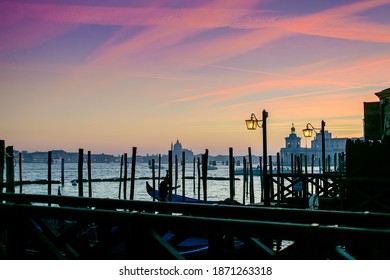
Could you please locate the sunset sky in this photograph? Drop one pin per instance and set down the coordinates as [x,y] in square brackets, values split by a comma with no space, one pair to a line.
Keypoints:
[107,76]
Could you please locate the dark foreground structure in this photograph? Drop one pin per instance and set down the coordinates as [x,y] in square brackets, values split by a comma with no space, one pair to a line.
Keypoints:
[91,228]
[350,221]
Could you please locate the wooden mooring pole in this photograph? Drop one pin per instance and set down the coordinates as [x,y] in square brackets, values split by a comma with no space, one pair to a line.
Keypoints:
[251,181]
[193,174]
[199,177]
[270,184]
[132,182]
[154,179]
[231,174]
[176,172]
[159,169]
[120,178]
[62,171]
[183,176]
[2,162]
[245,181]
[278,188]
[312,163]
[170,163]
[89,174]
[124,175]
[49,161]
[10,172]
[80,172]
[261,179]
[20,173]
[205,160]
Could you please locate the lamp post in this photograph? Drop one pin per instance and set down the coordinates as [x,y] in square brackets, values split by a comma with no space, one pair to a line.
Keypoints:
[252,124]
[308,132]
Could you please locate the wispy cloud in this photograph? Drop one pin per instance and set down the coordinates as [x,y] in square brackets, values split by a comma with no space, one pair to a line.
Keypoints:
[187,57]
[156,76]
[342,22]
[170,26]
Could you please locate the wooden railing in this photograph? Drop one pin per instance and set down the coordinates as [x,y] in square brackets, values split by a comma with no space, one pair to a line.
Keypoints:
[298,187]
[90,228]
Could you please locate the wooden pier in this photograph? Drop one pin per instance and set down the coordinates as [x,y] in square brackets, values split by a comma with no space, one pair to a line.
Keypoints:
[352,220]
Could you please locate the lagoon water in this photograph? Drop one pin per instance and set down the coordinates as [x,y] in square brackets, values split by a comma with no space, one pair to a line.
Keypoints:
[216,189]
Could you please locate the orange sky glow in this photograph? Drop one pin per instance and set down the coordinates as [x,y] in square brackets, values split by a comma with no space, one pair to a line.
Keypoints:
[107,76]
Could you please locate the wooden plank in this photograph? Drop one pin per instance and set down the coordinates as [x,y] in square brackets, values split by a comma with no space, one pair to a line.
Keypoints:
[164,248]
[258,248]
[55,236]
[229,226]
[46,245]
[343,254]
[351,218]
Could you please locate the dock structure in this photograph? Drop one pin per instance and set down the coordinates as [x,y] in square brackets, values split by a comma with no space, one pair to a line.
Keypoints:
[93,228]
[364,185]
[351,220]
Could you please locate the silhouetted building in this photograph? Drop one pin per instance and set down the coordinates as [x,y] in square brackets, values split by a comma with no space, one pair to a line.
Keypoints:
[177,150]
[293,148]
[384,102]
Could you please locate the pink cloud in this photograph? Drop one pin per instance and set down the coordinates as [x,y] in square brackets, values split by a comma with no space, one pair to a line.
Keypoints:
[172,26]
[288,83]
[28,33]
[169,26]
[342,22]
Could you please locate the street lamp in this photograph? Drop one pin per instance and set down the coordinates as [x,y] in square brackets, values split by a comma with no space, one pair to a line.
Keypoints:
[252,124]
[308,132]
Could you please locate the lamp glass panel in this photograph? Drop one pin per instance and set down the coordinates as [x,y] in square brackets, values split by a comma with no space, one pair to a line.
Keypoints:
[251,124]
[308,132]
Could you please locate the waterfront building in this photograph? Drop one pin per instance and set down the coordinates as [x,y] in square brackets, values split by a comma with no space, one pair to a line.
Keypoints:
[377,118]
[293,147]
[177,150]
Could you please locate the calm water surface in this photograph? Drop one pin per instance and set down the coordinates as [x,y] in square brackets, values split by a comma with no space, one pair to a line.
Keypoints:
[217,189]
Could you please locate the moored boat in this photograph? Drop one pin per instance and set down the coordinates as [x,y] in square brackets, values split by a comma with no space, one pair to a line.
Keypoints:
[179,198]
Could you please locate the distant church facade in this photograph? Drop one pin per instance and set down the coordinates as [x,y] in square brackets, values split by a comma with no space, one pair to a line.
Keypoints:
[177,151]
[293,148]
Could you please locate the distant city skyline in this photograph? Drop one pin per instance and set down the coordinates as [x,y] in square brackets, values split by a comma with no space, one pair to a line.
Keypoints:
[107,76]
[292,144]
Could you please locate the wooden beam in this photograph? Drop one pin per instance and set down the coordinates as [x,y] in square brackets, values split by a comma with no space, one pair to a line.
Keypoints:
[323,217]
[47,246]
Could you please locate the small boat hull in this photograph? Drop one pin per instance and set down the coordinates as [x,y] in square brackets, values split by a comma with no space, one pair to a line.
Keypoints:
[175,197]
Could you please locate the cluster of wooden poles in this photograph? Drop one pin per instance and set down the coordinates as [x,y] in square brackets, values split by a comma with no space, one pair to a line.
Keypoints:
[299,165]
[7,153]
